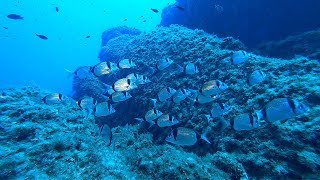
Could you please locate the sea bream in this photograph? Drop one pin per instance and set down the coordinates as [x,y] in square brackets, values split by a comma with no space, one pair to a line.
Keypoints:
[245,122]
[281,109]
[256,77]
[106,134]
[138,79]
[164,63]
[54,98]
[217,110]
[81,72]
[213,87]
[185,137]
[150,116]
[126,64]
[87,104]
[239,57]
[180,95]
[103,109]
[190,69]
[104,68]
[165,94]
[120,96]
[166,120]
[202,99]
[124,84]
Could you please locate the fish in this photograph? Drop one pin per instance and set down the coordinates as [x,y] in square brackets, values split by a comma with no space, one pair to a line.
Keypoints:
[42,36]
[106,134]
[165,94]
[217,110]
[239,57]
[189,69]
[138,79]
[150,116]
[163,64]
[87,104]
[125,19]
[202,99]
[281,109]
[103,109]
[144,21]
[245,122]
[109,90]
[120,96]
[179,7]
[154,10]
[54,98]
[81,72]
[180,95]
[166,120]
[126,64]
[88,36]
[15,16]
[185,137]
[213,87]
[57,9]
[5,27]
[104,68]
[124,84]
[256,77]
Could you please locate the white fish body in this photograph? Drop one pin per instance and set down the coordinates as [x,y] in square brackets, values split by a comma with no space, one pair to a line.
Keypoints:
[120,96]
[256,77]
[138,79]
[245,122]
[165,94]
[190,69]
[164,63]
[239,57]
[202,99]
[166,120]
[124,84]
[152,115]
[54,98]
[180,95]
[213,87]
[126,64]
[103,109]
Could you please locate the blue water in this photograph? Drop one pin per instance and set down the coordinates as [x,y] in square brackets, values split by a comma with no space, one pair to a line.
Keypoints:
[29,60]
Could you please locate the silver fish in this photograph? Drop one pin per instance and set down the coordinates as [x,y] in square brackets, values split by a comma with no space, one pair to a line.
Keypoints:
[190,69]
[202,99]
[245,122]
[126,64]
[166,120]
[185,137]
[164,63]
[138,79]
[103,68]
[180,95]
[106,134]
[281,109]
[150,116]
[54,98]
[213,87]
[165,94]
[124,84]
[120,96]
[81,72]
[103,109]
[239,57]
[87,104]
[217,110]
[256,77]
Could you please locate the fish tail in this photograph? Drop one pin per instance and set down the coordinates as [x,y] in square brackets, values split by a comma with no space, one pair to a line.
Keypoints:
[204,137]
[208,117]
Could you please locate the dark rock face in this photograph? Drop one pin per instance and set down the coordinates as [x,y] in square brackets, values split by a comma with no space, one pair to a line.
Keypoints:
[251,21]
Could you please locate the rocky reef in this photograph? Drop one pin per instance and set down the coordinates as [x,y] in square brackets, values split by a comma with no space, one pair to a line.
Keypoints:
[38,140]
[306,44]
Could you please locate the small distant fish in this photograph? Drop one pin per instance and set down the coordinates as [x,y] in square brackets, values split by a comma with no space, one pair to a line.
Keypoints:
[124,84]
[256,77]
[106,134]
[81,72]
[217,110]
[120,96]
[150,116]
[104,68]
[165,94]
[180,7]
[180,95]
[245,122]
[190,69]
[87,104]
[15,16]
[281,109]
[144,21]
[213,87]
[88,37]
[154,10]
[125,19]
[202,99]
[5,28]
[57,9]
[185,137]
[166,120]
[126,64]
[103,109]
[164,63]
[54,98]
[42,36]
[239,57]
[138,79]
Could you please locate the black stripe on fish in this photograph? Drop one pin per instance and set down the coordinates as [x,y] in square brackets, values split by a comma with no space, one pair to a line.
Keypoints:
[232,123]
[218,84]
[168,89]
[129,81]
[154,111]
[60,96]
[251,119]
[92,70]
[44,99]
[175,133]
[108,64]
[221,105]
[183,91]
[94,109]
[292,105]
[243,53]
[170,118]
[260,72]
[79,103]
